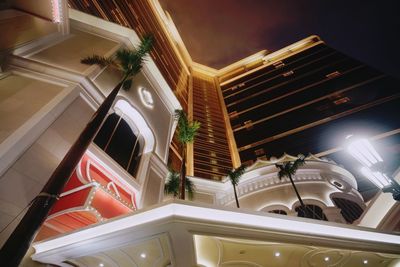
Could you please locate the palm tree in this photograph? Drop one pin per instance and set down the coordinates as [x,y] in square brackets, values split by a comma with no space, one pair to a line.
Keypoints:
[234,176]
[129,63]
[289,169]
[172,185]
[186,132]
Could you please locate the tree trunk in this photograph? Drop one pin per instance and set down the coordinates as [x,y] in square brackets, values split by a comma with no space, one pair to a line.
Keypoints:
[18,243]
[182,181]
[236,197]
[303,207]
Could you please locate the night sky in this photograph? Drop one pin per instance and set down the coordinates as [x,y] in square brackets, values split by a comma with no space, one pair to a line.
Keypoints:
[219,32]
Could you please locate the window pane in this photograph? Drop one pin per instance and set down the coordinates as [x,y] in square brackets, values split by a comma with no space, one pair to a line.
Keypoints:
[121,144]
[106,130]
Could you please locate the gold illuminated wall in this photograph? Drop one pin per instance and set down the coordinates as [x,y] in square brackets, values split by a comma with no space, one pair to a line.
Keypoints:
[141,16]
[211,153]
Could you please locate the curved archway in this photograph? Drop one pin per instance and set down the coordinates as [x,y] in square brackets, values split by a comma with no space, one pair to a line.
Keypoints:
[136,120]
[277,209]
[118,140]
[125,136]
[351,206]
[350,210]
[315,202]
[314,209]
[311,212]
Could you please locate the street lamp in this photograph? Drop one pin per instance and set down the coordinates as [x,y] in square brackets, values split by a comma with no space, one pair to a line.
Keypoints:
[363,151]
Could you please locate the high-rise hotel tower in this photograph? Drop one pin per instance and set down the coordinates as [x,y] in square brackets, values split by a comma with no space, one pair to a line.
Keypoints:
[304,98]
[293,100]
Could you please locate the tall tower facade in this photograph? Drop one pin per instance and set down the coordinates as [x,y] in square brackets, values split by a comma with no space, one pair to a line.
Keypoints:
[304,98]
[299,94]
[299,99]
[211,155]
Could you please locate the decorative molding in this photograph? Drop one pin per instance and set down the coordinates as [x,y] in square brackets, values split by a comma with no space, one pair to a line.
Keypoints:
[206,219]
[262,176]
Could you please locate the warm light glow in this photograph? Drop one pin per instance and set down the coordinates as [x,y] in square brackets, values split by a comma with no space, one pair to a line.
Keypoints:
[56,8]
[101,265]
[326,259]
[143,255]
[378,178]
[146,97]
[277,254]
[365,261]
[364,152]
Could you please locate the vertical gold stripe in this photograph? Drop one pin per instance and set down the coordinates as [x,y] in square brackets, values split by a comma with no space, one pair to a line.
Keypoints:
[189,150]
[229,132]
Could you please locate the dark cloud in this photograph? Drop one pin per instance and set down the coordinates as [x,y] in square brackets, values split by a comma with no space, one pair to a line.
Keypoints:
[219,32]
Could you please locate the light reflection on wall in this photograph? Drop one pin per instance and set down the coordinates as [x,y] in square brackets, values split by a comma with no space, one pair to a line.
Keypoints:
[146,97]
[56,8]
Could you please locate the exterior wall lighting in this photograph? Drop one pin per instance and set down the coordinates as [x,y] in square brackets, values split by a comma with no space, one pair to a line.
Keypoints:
[363,151]
[378,178]
[56,10]
[326,259]
[277,254]
[365,261]
[143,255]
[146,97]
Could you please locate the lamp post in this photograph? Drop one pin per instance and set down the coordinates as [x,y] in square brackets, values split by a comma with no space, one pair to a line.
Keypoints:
[363,151]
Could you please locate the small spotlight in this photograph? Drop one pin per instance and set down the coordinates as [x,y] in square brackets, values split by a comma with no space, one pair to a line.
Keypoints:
[101,265]
[277,254]
[143,255]
[365,261]
[326,259]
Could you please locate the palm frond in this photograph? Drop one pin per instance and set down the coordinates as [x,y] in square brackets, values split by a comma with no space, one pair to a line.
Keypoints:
[146,45]
[131,61]
[300,161]
[235,174]
[172,185]
[290,167]
[281,173]
[97,60]
[124,57]
[127,84]
[190,188]
[186,130]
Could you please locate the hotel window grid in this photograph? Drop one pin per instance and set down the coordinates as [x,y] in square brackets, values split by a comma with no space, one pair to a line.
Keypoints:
[118,140]
[312,212]
[350,210]
[211,153]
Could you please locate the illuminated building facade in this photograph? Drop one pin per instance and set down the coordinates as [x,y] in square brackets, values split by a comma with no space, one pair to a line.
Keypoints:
[256,108]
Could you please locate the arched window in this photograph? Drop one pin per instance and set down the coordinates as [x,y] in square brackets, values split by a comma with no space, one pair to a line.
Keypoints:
[282,212]
[350,210]
[312,212]
[119,141]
